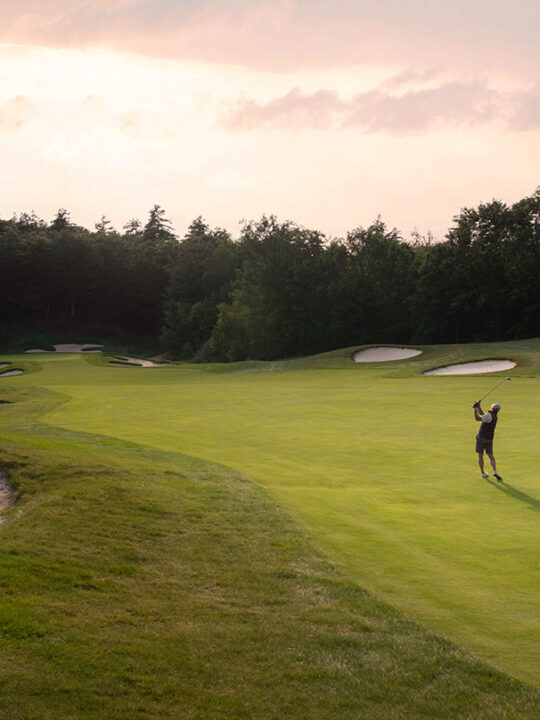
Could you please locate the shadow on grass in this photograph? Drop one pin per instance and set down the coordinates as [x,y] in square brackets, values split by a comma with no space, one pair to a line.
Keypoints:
[516,494]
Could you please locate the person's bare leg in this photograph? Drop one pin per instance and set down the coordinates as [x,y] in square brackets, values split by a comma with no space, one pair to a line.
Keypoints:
[494,466]
[481,464]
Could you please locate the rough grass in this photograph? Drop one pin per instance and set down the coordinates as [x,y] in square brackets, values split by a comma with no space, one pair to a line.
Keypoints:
[140,583]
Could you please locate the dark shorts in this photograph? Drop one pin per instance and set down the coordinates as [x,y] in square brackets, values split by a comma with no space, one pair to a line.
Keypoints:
[484,444]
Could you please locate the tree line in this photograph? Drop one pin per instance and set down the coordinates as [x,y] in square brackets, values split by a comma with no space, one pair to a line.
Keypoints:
[279,289]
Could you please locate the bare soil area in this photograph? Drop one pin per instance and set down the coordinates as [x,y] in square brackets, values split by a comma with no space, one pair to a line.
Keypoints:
[6,496]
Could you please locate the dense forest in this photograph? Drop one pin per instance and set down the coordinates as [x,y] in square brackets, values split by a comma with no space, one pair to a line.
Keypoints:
[278,290]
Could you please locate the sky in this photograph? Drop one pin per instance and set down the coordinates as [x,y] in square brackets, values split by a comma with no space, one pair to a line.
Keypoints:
[328,113]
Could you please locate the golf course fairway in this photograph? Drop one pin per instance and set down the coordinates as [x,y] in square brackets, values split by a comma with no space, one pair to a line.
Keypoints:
[375,462]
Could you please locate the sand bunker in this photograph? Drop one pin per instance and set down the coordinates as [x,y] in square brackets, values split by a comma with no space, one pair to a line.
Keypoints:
[468,368]
[125,361]
[69,348]
[384,354]
[8,373]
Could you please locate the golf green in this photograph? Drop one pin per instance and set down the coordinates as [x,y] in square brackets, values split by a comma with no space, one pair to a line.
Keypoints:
[375,461]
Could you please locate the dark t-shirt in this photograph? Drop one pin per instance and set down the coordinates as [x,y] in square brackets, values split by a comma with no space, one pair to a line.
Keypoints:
[487,428]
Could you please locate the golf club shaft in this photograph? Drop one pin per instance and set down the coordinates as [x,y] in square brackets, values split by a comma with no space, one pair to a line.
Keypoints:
[492,389]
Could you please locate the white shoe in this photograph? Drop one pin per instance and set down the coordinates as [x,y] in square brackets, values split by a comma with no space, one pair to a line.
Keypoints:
[485,475]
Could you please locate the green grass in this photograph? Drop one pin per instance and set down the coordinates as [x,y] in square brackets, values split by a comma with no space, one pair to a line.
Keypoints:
[137,581]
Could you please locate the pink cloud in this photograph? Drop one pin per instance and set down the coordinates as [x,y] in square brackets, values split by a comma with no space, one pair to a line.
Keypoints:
[320,110]
[408,77]
[380,111]
[452,103]
[292,34]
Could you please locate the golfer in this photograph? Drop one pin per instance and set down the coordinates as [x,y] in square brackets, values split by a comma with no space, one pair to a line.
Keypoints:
[484,439]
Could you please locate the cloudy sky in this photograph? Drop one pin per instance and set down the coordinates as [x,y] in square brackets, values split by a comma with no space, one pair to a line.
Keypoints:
[325,112]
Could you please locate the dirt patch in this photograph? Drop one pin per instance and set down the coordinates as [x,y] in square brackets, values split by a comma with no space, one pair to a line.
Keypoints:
[7,498]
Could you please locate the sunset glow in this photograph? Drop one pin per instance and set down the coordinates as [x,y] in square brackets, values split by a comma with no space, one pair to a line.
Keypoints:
[109,108]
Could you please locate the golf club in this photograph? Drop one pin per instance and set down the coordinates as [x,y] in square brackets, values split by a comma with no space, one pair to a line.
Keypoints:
[490,391]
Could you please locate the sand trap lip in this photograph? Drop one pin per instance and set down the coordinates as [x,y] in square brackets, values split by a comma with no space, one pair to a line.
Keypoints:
[125,361]
[473,368]
[384,354]
[69,348]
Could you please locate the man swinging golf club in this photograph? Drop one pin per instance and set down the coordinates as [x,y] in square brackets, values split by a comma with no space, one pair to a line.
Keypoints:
[484,439]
